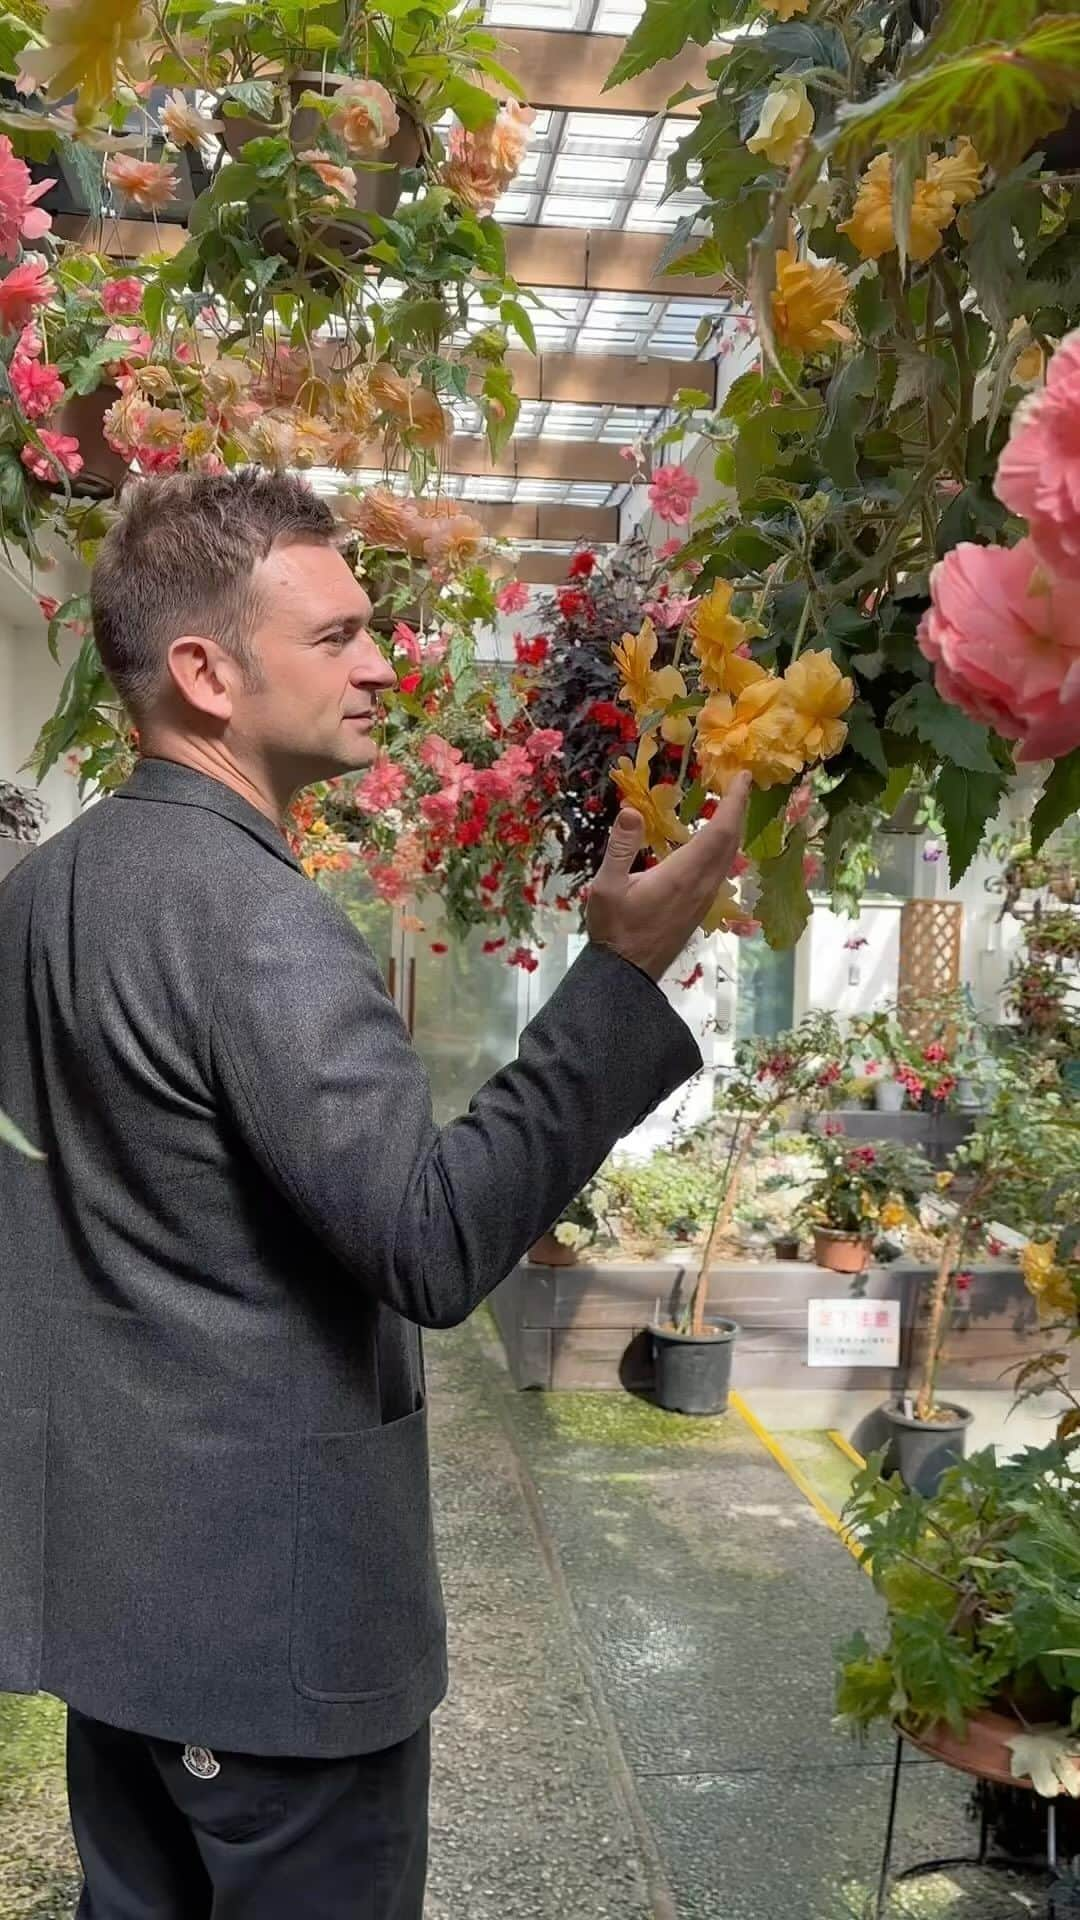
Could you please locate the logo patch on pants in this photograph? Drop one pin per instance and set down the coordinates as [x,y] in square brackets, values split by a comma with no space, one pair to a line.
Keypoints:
[200,1761]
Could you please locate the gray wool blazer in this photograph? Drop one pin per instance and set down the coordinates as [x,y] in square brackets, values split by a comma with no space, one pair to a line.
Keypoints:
[215,1522]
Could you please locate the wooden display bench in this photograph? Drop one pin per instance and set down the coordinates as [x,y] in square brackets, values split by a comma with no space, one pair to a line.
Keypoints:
[586,1326]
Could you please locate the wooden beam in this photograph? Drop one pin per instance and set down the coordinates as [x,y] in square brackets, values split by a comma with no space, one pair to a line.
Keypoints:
[567,258]
[608,379]
[593,460]
[540,569]
[568,70]
[598,261]
[540,522]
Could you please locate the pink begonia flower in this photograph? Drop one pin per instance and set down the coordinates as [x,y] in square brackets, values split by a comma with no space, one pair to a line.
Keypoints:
[49,607]
[811,867]
[136,342]
[37,386]
[443,759]
[20,219]
[544,743]
[670,548]
[382,787]
[513,598]
[436,649]
[22,291]
[121,298]
[744,929]
[800,803]
[440,809]
[739,865]
[672,492]
[63,456]
[407,642]
[1039,470]
[1005,646]
[670,612]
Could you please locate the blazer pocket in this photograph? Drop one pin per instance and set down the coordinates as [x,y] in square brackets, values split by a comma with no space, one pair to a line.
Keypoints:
[367,1602]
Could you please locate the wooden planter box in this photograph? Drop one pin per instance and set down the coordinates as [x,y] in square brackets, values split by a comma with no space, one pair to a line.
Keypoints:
[585,1326]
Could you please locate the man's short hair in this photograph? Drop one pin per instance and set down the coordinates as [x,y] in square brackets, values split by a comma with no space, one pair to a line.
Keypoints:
[179,559]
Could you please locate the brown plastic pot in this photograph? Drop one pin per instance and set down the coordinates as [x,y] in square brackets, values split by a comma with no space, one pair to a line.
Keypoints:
[104,470]
[549,1252]
[841,1252]
[982,1751]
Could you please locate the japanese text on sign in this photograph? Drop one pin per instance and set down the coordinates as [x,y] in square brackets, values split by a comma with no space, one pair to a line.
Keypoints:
[853,1333]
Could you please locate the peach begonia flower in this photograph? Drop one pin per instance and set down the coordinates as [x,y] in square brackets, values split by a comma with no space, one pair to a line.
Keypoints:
[786,118]
[1005,645]
[481,165]
[89,44]
[818,693]
[185,125]
[645,688]
[409,403]
[1039,470]
[123,424]
[806,301]
[658,806]
[364,116]
[355,407]
[786,9]
[755,734]
[150,184]
[341,180]
[381,519]
[225,381]
[22,291]
[454,542]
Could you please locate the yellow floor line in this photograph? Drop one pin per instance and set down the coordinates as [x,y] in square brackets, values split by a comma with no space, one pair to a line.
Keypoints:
[840,1440]
[796,1476]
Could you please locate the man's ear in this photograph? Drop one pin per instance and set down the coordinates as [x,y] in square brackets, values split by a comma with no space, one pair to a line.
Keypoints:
[203,675]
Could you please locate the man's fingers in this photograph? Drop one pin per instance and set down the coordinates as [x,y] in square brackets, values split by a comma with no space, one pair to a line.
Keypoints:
[627,838]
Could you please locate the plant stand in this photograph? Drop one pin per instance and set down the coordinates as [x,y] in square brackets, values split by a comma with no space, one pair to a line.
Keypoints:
[887,1879]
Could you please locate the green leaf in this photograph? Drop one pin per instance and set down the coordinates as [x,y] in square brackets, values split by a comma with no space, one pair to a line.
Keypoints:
[252,98]
[967,23]
[320,39]
[474,107]
[854,382]
[783,904]
[969,803]
[994,222]
[515,316]
[1001,102]
[10,1136]
[865,736]
[1059,799]
[765,805]
[959,740]
[661,33]
[918,376]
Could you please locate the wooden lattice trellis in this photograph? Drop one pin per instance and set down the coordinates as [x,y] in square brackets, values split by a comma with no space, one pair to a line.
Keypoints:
[930,935]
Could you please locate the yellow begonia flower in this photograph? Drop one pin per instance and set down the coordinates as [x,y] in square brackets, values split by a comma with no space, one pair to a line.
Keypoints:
[755,734]
[949,182]
[1029,365]
[819,694]
[806,301]
[658,806]
[894,1214]
[1051,1285]
[645,688]
[725,911]
[89,44]
[717,637]
[785,9]
[786,118]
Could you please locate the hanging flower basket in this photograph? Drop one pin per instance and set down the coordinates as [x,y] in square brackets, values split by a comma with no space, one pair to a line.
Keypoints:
[378,187]
[983,1750]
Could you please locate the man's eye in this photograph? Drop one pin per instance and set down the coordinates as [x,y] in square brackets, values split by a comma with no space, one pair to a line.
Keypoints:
[335,640]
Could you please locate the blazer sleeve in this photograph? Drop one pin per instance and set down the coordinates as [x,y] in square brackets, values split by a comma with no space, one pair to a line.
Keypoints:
[317,1071]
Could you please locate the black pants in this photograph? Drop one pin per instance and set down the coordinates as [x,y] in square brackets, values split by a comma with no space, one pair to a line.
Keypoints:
[257,1839]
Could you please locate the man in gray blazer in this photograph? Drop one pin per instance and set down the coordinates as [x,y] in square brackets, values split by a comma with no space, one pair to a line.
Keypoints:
[215,1528]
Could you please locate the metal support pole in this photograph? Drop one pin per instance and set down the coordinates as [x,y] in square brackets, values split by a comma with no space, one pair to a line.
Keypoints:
[886,1859]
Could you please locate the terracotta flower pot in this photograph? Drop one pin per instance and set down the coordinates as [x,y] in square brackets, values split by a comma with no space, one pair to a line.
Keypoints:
[104,471]
[983,1750]
[549,1252]
[841,1252]
[378,188]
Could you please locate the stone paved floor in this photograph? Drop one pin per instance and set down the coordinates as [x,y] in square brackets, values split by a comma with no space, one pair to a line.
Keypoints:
[642,1614]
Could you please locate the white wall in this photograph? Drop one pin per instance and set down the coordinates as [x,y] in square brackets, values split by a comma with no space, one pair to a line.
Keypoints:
[30,682]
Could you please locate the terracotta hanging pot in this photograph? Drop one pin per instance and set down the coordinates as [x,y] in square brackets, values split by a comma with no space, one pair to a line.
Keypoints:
[549,1252]
[839,1251]
[104,470]
[983,1750]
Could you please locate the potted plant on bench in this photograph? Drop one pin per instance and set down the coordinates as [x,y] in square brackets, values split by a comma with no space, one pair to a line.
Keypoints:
[978,1664]
[862,1190]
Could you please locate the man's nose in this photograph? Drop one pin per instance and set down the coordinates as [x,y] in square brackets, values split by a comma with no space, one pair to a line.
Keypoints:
[374,669]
